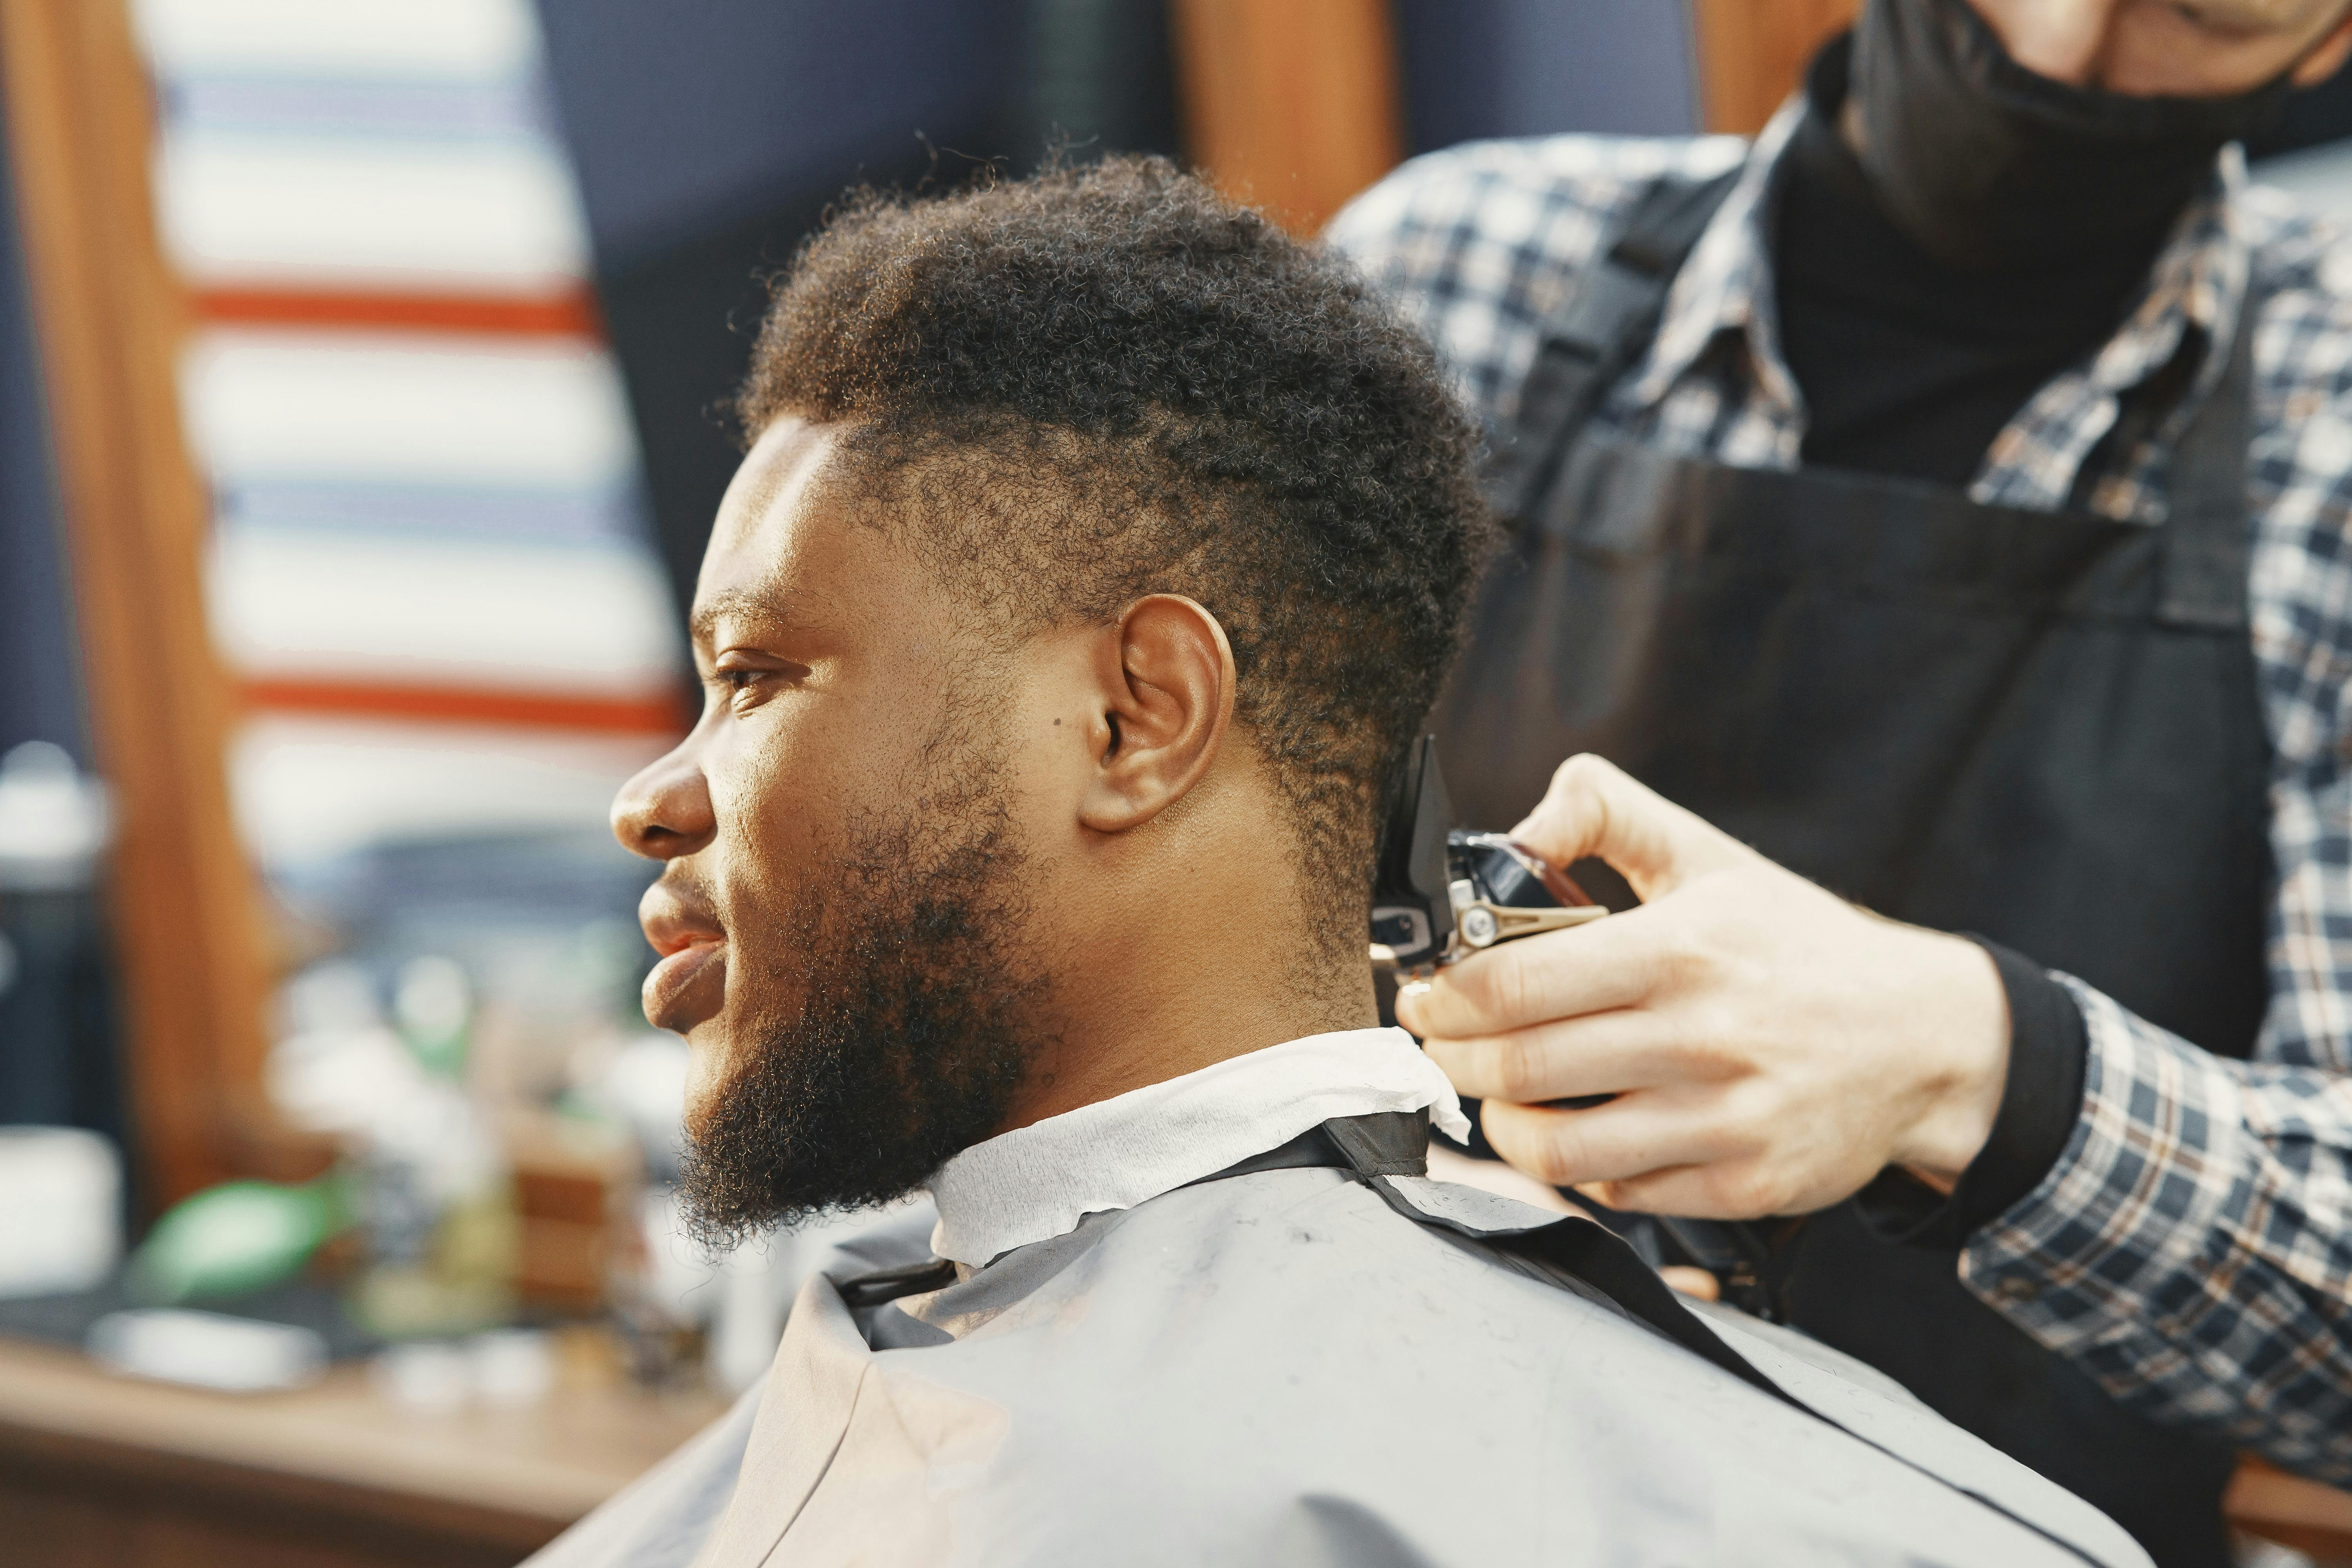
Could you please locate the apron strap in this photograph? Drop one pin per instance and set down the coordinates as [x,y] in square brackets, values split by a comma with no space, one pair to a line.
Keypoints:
[886,1285]
[1383,1143]
[1599,332]
[2205,548]
[1396,1143]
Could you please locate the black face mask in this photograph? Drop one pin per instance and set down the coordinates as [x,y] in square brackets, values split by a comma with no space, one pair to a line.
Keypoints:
[1990,167]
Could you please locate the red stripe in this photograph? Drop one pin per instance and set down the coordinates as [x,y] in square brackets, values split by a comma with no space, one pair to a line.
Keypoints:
[570,313]
[608,715]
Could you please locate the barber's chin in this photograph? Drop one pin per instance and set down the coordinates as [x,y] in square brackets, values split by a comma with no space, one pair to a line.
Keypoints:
[688,987]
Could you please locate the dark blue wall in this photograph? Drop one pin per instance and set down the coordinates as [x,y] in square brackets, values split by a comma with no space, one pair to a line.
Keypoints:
[58,1052]
[1478,68]
[39,681]
[694,114]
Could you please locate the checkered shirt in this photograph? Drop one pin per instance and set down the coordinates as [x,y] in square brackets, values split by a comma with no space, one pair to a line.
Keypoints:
[2192,1247]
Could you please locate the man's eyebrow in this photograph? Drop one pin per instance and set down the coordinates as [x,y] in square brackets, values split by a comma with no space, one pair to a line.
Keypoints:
[2266,15]
[734,603]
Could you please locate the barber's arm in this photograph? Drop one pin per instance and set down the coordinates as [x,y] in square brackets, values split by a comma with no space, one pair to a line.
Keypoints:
[1775,1049]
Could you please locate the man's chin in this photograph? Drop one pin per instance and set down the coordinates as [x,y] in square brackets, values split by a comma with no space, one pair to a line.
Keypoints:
[707,1060]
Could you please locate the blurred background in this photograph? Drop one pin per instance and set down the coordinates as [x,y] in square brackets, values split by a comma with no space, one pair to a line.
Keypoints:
[360,369]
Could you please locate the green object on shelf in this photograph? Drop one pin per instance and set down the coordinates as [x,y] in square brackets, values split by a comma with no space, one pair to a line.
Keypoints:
[434,1005]
[236,1237]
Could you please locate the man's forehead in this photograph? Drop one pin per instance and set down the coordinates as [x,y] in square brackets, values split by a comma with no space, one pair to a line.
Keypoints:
[791,544]
[774,546]
[784,464]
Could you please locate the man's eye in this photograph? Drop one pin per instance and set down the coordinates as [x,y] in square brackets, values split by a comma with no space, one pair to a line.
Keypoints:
[734,681]
[2200,14]
[753,681]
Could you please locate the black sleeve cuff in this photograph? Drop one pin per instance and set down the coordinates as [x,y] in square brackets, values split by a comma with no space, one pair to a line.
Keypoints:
[2040,1103]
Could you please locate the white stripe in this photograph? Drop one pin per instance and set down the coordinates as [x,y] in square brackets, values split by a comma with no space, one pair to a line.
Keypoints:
[410,38]
[578,619]
[435,218]
[406,408]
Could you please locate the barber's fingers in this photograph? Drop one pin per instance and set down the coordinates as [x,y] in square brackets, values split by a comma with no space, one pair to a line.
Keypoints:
[1695,1282]
[1599,1053]
[1614,963]
[1595,809]
[1717,1190]
[1651,1151]
[1640,1134]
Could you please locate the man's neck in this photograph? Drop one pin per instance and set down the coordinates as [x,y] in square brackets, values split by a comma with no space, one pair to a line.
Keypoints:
[1186,942]
[1141,1030]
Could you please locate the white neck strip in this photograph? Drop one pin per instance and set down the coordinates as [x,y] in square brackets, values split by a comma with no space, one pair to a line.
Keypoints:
[1037,1182]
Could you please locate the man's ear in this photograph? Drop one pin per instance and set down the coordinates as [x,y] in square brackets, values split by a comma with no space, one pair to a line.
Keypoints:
[2326,60]
[1165,680]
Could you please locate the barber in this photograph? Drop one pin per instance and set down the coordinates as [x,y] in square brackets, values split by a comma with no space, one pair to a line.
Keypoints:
[1940,519]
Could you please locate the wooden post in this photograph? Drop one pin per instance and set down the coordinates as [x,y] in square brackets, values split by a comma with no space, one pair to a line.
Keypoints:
[1753,53]
[109,318]
[1292,105]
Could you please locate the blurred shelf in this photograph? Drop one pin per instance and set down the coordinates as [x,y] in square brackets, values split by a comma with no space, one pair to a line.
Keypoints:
[100,1469]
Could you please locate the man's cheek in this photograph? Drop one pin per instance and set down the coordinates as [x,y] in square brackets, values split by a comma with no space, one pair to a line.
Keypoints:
[773,828]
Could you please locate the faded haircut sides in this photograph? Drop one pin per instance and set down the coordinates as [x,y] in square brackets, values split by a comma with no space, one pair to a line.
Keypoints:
[1107,382]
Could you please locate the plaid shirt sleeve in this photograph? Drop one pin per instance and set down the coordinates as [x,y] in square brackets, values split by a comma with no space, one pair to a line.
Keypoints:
[2192,1247]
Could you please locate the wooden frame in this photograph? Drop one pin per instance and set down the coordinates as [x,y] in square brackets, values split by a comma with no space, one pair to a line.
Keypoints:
[1753,53]
[110,319]
[1294,107]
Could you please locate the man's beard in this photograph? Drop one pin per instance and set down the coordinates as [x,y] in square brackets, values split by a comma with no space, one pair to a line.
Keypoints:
[915,1033]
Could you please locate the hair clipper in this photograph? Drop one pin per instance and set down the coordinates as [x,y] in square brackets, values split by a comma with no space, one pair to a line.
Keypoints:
[1442,892]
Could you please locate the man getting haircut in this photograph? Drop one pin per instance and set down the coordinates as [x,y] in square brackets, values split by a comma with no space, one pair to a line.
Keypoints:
[1097,554]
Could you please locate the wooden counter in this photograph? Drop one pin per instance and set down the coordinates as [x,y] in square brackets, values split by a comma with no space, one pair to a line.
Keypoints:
[107,1472]
[98,1471]
[2305,1515]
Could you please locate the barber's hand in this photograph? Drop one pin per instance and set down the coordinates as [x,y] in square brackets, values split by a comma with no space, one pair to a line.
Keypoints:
[1772,1047]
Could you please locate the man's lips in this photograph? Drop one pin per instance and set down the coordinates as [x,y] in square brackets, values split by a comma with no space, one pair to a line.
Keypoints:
[690,982]
[687,987]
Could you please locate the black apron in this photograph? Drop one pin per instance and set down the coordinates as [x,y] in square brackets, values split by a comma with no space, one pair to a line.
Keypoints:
[2039,728]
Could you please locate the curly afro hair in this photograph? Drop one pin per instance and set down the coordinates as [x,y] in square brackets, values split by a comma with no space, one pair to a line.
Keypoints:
[1107,382]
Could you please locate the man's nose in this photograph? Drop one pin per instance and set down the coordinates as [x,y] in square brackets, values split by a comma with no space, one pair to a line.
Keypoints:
[665,811]
[2064,41]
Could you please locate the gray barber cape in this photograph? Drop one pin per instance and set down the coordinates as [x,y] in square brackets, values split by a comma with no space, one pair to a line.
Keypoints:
[1286,1368]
